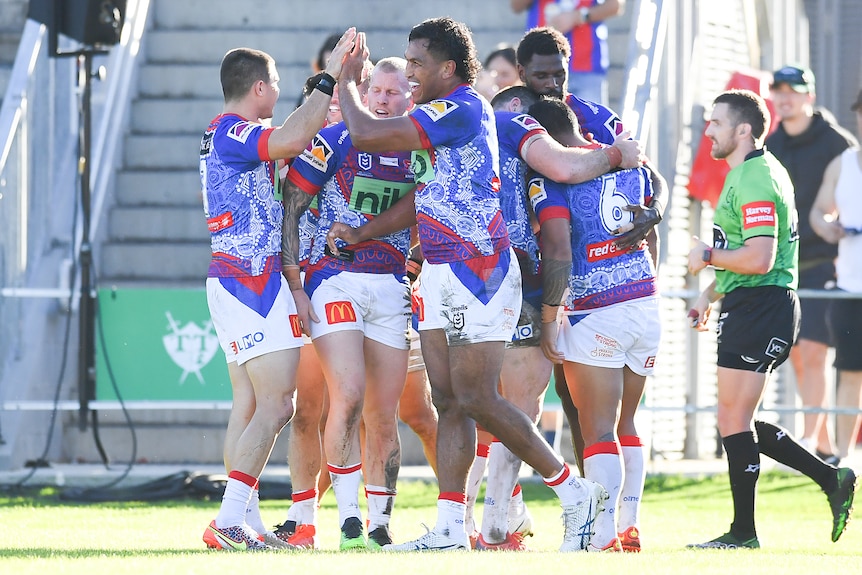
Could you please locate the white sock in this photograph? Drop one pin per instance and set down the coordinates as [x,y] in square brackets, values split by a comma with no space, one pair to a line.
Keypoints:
[234,502]
[252,512]
[450,515]
[345,485]
[474,482]
[603,464]
[568,486]
[503,468]
[303,508]
[516,503]
[380,503]
[633,486]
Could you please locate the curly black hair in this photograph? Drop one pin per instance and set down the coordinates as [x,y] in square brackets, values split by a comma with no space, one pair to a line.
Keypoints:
[450,40]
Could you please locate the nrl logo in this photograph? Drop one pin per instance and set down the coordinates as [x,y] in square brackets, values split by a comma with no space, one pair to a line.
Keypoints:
[191,347]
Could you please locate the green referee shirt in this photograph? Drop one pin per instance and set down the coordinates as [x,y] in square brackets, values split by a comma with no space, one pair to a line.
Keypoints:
[757,200]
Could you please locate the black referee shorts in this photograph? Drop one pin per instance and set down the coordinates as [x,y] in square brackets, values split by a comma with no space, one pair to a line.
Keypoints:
[757,327]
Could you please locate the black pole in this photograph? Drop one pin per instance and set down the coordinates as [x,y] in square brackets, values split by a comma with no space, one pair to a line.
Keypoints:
[86,308]
[86,317]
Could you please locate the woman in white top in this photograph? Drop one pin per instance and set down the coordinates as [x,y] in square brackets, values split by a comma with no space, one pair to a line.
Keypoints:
[837,218]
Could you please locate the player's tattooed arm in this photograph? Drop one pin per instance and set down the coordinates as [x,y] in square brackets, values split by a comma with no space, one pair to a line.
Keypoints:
[555,280]
[296,202]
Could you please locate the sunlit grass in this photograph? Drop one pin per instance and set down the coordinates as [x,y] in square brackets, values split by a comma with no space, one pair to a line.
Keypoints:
[47,535]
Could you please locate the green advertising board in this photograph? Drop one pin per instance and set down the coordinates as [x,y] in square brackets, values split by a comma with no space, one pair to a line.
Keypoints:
[160,345]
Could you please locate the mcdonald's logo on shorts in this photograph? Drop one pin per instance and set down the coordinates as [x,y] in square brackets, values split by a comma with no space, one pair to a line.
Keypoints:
[295,326]
[340,312]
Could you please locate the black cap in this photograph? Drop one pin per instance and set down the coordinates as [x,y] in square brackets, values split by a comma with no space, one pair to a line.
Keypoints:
[798,78]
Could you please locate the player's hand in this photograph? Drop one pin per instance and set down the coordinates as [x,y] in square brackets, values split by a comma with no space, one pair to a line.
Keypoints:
[695,256]
[633,233]
[549,342]
[345,45]
[632,153]
[698,315]
[353,67]
[304,311]
[340,231]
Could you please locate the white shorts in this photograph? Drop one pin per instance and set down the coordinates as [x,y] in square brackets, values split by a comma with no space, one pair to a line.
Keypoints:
[378,305]
[446,302]
[625,334]
[243,333]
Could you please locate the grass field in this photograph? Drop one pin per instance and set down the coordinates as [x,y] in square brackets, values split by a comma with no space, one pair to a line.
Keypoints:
[47,535]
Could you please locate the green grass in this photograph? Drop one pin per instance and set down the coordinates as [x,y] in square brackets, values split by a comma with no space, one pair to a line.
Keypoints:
[46,535]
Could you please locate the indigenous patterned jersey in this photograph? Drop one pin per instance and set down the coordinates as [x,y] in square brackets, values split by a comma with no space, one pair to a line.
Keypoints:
[595,119]
[513,131]
[244,216]
[589,42]
[352,187]
[601,275]
[457,193]
[757,200]
[238,183]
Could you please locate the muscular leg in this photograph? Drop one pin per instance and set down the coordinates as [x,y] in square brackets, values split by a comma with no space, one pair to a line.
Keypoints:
[456,432]
[386,371]
[475,370]
[241,411]
[562,389]
[305,447]
[417,410]
[632,449]
[342,358]
[273,378]
[809,363]
[597,393]
[524,377]
[739,394]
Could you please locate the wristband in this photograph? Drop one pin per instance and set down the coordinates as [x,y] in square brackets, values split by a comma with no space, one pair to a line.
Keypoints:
[707,255]
[413,269]
[615,157]
[326,84]
[549,313]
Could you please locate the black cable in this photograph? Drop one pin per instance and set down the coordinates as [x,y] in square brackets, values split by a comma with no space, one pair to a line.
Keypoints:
[126,414]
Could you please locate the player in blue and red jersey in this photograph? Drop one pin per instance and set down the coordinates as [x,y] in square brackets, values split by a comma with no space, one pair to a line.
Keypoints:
[470,296]
[543,62]
[361,299]
[609,331]
[523,143]
[252,310]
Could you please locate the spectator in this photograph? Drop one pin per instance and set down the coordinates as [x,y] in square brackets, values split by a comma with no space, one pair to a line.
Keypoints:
[837,217]
[499,71]
[806,140]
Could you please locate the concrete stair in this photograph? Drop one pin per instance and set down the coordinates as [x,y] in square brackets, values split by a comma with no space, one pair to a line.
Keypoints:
[156,231]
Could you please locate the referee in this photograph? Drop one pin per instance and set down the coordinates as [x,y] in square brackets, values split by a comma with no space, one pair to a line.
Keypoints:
[755,254]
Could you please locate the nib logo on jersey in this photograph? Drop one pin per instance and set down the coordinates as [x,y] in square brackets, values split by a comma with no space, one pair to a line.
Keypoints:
[190,346]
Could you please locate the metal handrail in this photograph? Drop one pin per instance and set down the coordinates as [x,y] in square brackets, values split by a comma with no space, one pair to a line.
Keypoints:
[15,100]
